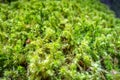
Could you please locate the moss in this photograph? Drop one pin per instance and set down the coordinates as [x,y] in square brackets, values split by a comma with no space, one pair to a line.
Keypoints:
[56,40]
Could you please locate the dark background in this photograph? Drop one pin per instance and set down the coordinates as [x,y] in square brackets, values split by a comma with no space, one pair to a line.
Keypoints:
[113,5]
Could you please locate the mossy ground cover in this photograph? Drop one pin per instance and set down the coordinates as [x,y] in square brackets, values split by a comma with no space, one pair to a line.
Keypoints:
[59,40]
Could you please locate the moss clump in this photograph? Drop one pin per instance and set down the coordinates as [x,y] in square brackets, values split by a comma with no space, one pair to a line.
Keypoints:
[56,40]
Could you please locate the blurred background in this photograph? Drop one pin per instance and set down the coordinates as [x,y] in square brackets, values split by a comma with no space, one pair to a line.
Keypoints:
[113,5]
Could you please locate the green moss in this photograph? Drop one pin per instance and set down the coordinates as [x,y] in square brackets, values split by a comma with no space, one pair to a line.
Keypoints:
[55,40]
